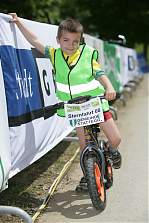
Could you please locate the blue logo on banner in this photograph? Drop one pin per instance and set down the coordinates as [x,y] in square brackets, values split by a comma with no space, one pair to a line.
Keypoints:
[21,81]
[131,63]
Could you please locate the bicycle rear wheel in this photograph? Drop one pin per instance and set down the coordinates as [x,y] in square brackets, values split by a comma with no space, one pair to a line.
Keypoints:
[95,182]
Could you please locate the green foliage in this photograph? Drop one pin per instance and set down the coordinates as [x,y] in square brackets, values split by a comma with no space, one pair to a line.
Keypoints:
[39,10]
[104,18]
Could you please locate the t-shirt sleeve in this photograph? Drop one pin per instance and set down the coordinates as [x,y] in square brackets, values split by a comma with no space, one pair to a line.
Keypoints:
[97,69]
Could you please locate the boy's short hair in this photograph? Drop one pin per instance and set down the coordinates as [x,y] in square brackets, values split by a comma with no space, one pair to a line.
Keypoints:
[70,25]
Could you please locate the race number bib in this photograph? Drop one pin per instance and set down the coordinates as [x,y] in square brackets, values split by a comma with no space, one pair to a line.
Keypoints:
[86,113]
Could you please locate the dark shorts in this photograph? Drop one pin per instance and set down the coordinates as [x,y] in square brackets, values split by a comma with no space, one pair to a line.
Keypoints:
[107,115]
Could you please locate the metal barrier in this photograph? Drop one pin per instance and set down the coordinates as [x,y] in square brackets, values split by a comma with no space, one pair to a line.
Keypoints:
[9,210]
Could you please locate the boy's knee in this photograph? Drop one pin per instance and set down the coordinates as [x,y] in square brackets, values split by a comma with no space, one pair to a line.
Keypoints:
[82,145]
[116,142]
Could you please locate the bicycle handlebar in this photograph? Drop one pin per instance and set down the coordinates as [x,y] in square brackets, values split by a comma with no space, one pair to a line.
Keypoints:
[78,100]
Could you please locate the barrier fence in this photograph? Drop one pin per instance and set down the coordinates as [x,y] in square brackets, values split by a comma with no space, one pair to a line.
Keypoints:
[28,89]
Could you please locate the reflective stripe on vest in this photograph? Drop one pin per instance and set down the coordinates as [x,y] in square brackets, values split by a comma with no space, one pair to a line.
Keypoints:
[76,89]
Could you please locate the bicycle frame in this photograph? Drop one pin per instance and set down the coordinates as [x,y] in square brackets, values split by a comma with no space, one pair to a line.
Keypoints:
[96,148]
[93,146]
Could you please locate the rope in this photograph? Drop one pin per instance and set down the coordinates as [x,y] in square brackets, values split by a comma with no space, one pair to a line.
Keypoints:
[55,184]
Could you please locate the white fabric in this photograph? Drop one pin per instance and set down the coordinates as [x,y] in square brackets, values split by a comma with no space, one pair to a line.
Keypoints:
[22,145]
[5,152]
[129,64]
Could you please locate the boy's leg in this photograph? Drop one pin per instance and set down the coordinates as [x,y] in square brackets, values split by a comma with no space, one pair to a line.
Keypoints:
[110,130]
[82,186]
[81,136]
[112,133]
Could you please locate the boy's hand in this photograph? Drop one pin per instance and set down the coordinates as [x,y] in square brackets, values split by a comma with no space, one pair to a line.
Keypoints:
[15,18]
[110,94]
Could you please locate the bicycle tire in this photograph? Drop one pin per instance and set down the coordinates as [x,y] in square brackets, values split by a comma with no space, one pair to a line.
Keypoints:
[95,182]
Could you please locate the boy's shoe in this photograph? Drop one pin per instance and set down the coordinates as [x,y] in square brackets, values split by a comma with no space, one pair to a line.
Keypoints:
[82,187]
[116,158]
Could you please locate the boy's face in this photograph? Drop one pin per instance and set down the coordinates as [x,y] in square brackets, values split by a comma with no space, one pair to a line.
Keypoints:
[69,42]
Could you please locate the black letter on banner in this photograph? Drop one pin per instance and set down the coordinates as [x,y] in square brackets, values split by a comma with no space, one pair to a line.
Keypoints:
[46,84]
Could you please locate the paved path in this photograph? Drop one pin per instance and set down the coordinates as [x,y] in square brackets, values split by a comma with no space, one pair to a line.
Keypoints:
[127,200]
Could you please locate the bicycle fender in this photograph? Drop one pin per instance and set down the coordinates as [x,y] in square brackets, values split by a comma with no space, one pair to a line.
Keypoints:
[92,149]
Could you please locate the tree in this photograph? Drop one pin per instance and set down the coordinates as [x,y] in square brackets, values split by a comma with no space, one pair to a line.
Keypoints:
[39,10]
[103,18]
[108,18]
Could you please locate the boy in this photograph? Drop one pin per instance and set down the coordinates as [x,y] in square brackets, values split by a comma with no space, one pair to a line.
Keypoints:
[76,74]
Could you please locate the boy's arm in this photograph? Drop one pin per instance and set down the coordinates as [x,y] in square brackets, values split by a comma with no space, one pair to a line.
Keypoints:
[31,37]
[110,93]
[99,75]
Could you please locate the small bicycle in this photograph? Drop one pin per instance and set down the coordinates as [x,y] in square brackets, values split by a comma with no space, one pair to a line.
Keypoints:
[94,159]
[96,166]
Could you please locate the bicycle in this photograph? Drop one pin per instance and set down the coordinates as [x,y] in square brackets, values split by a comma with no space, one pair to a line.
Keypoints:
[94,159]
[97,167]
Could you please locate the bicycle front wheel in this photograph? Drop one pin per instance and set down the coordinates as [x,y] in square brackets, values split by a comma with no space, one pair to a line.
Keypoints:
[95,182]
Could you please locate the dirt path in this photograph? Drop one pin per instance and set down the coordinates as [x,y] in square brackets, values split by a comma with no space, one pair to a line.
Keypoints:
[127,199]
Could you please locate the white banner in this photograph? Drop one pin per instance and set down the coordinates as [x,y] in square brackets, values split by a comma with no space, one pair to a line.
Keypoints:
[132,63]
[28,87]
[129,64]
[5,157]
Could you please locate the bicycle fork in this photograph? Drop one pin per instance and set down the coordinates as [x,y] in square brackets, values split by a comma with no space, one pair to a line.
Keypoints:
[92,150]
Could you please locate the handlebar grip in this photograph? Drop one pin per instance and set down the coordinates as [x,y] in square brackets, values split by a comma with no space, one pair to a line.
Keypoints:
[118,95]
